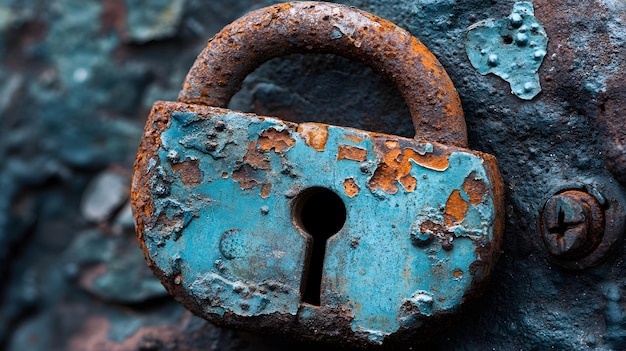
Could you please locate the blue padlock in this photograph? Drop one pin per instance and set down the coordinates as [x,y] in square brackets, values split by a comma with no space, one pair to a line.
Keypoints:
[312,230]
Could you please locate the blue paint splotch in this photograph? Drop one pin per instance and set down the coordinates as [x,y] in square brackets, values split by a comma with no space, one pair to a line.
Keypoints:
[512,48]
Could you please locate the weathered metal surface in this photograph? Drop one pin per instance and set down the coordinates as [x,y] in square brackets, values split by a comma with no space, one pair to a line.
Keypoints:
[215,191]
[77,86]
[512,48]
[420,223]
[319,27]
[573,224]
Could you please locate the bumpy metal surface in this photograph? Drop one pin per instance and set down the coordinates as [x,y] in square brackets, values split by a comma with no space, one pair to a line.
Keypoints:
[78,79]
[215,195]
[319,27]
[512,48]
[214,192]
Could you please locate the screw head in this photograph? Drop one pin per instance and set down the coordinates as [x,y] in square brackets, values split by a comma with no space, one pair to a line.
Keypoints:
[572,224]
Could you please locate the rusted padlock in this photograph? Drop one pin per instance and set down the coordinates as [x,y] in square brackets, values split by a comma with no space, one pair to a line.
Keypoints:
[312,230]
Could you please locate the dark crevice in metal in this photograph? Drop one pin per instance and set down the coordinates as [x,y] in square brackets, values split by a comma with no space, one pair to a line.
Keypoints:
[321,213]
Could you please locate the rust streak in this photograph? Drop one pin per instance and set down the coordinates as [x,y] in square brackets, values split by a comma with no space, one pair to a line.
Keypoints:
[456,209]
[189,172]
[351,153]
[273,139]
[314,135]
[350,187]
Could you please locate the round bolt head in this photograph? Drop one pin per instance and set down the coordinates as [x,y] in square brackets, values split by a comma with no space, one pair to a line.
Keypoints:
[572,224]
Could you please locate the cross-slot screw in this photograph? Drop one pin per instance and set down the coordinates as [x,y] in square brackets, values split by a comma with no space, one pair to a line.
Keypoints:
[572,224]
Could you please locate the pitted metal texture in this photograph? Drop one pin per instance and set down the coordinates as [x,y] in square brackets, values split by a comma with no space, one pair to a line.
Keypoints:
[216,191]
[223,200]
[317,27]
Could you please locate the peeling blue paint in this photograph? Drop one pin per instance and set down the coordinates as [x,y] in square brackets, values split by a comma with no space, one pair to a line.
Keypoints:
[232,240]
[512,48]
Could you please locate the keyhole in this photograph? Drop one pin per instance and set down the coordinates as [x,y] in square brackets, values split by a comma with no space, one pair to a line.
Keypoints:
[320,213]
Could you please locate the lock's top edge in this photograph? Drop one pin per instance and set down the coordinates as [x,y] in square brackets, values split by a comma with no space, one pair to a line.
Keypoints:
[166,108]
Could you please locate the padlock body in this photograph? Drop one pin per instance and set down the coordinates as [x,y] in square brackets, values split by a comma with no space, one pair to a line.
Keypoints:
[216,196]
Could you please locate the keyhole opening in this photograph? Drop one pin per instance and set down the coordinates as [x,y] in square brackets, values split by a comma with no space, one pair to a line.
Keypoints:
[320,213]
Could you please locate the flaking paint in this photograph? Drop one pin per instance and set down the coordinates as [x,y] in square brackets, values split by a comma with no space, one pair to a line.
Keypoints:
[512,48]
[231,241]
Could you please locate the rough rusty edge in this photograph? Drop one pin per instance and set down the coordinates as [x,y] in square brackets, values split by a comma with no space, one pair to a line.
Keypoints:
[339,323]
[490,253]
[317,27]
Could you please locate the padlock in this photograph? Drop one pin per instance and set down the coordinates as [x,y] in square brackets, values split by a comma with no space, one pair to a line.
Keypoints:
[311,230]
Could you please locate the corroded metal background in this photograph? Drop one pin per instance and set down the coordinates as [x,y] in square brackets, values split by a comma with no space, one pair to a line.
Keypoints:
[78,79]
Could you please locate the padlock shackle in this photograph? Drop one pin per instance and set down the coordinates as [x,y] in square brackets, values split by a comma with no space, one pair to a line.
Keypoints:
[319,27]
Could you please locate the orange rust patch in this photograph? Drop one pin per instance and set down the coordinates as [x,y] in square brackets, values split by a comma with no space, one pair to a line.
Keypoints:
[265,190]
[396,164]
[256,158]
[351,153]
[456,209]
[189,172]
[273,139]
[225,175]
[245,175]
[475,189]
[457,274]
[428,160]
[350,187]
[354,138]
[392,144]
[384,178]
[314,135]
[408,182]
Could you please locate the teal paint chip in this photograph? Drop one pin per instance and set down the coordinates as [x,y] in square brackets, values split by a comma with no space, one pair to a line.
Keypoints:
[512,48]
